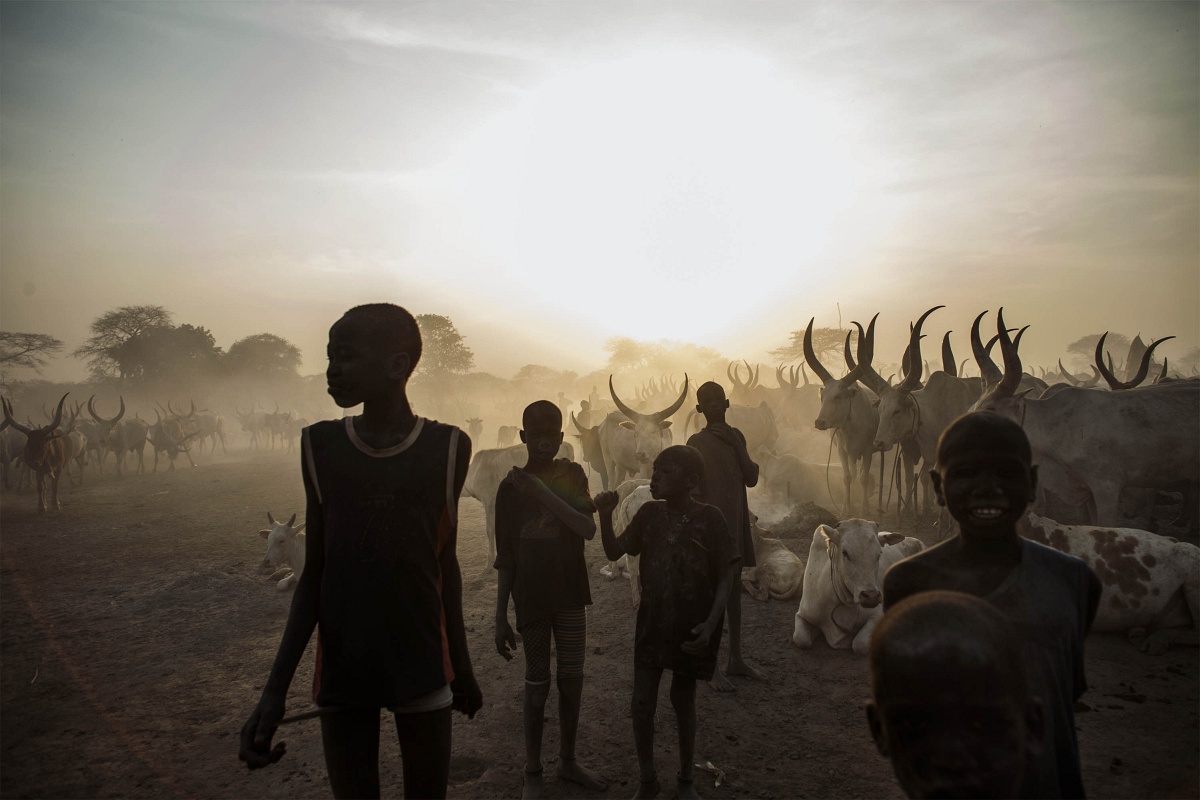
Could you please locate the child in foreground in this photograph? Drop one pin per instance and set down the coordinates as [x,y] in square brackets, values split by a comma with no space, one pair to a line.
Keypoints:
[689,562]
[543,518]
[985,478]
[950,703]
[381,582]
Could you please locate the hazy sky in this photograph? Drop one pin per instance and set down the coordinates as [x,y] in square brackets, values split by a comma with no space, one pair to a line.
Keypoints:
[553,174]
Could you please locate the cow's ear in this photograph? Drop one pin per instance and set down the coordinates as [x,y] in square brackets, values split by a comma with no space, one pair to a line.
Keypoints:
[665,424]
[264,533]
[886,538]
[628,425]
[832,534]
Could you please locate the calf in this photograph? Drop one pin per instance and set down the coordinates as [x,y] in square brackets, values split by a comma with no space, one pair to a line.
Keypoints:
[779,574]
[842,598]
[285,545]
[506,435]
[1151,583]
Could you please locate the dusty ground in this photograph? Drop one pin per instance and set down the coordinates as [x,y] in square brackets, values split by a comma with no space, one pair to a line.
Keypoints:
[136,633]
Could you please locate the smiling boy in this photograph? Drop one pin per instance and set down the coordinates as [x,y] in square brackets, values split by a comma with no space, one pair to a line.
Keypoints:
[985,478]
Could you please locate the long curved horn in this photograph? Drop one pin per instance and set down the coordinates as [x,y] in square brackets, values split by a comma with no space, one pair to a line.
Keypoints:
[988,370]
[575,422]
[58,414]
[1162,376]
[731,371]
[751,375]
[804,373]
[846,354]
[624,409]
[1068,376]
[962,368]
[1106,372]
[912,381]
[1012,362]
[92,410]
[671,409]
[948,362]
[866,354]
[10,418]
[811,357]
[1143,368]
[192,413]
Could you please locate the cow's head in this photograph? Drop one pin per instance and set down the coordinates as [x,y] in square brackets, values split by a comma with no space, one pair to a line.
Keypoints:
[649,429]
[104,427]
[838,393]
[43,446]
[854,548]
[899,417]
[279,539]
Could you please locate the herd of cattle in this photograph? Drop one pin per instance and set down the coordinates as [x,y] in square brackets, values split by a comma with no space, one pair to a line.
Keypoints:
[1109,458]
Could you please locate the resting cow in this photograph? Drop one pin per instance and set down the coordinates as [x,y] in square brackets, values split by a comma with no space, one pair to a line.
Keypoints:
[842,597]
[779,574]
[1151,582]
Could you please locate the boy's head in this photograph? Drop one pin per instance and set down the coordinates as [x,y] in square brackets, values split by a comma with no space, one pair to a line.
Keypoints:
[677,471]
[541,430]
[984,474]
[371,348]
[710,399]
[950,703]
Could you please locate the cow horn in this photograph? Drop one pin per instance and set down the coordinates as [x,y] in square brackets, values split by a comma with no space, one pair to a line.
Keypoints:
[1106,372]
[157,417]
[948,362]
[846,354]
[1143,368]
[666,412]
[804,373]
[292,521]
[271,517]
[1071,379]
[624,409]
[1162,375]
[962,368]
[729,374]
[10,417]
[1012,362]
[811,357]
[988,370]
[751,375]
[575,422]
[866,356]
[912,380]
[58,414]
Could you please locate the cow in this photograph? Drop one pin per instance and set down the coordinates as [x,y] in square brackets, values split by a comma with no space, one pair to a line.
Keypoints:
[12,444]
[1151,583]
[1091,445]
[293,430]
[789,477]
[47,452]
[631,440]
[842,597]
[276,424]
[849,410]
[628,505]
[285,545]
[77,444]
[747,393]
[589,445]
[167,436]
[779,574]
[121,436]
[205,425]
[506,435]
[487,469]
[475,428]
[252,422]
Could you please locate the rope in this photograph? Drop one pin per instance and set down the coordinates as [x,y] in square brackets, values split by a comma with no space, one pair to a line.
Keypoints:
[828,485]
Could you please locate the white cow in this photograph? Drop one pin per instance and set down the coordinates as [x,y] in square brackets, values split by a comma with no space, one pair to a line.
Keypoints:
[778,574]
[285,545]
[842,597]
[1151,583]
[488,468]
[631,495]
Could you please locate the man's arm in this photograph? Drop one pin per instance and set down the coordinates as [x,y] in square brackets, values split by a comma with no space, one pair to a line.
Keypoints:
[730,572]
[579,523]
[506,640]
[258,731]
[467,697]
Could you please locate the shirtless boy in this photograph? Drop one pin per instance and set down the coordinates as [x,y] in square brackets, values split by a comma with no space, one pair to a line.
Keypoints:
[728,471]
[985,478]
[688,564]
[543,517]
[950,703]
[381,581]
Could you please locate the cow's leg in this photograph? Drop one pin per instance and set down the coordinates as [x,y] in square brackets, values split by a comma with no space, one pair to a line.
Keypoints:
[805,633]
[189,458]
[635,579]
[41,490]
[862,640]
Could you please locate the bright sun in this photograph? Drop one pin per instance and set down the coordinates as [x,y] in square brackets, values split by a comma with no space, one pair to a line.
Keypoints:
[646,186]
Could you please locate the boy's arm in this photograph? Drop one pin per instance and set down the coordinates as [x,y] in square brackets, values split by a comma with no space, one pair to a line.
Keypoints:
[749,468]
[467,697]
[730,572]
[506,640]
[581,524]
[606,503]
[256,736]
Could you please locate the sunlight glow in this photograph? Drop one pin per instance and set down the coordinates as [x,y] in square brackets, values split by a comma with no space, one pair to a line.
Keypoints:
[642,183]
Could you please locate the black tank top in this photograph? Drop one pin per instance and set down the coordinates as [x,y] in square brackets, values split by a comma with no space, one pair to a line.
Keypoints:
[388,515]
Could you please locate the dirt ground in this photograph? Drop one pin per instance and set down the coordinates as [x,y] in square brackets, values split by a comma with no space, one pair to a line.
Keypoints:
[136,634]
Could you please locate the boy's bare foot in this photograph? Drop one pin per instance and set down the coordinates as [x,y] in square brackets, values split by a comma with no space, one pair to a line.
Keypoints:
[686,789]
[533,789]
[570,770]
[745,670]
[648,789]
[720,683]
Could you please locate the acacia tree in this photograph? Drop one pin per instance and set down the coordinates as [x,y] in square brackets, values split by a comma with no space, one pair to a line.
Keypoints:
[443,350]
[169,353]
[265,356]
[111,331]
[1083,349]
[827,343]
[30,350]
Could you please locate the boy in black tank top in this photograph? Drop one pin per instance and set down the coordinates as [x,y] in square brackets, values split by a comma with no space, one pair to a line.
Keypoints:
[985,478]
[381,582]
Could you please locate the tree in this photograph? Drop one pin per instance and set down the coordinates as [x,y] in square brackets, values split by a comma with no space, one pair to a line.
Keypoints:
[168,353]
[113,329]
[443,350]
[26,350]
[827,343]
[1083,349]
[265,356]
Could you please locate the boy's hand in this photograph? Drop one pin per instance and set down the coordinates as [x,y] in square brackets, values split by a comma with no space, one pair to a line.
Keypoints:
[606,502]
[467,696]
[701,634]
[724,432]
[506,640]
[523,481]
[256,748]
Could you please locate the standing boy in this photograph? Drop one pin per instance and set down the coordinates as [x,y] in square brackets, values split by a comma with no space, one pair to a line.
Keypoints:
[985,478]
[728,471]
[381,582]
[543,517]
[950,703]
[688,564]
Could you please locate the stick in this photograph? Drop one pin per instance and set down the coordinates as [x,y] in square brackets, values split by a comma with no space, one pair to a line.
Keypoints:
[311,714]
